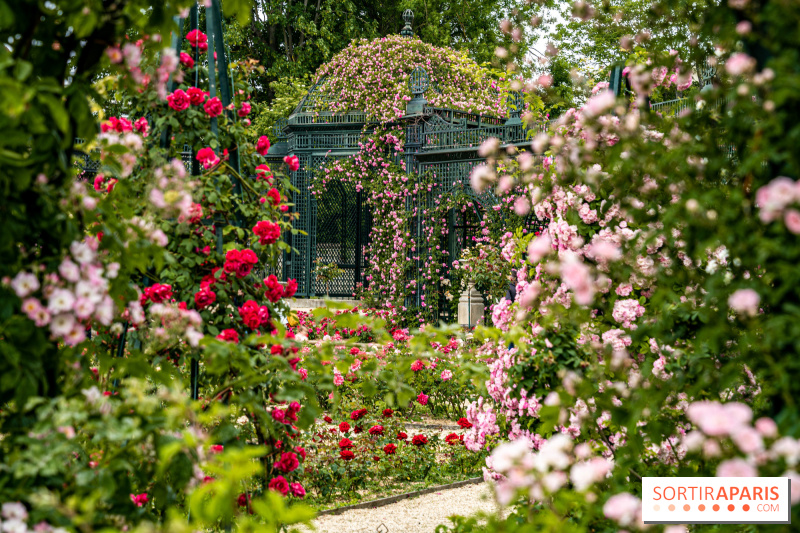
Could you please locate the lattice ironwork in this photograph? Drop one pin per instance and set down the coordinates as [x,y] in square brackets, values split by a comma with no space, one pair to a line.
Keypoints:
[299,266]
[279,130]
[341,237]
[316,100]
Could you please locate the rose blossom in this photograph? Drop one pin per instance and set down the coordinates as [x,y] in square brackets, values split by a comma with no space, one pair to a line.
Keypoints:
[736,468]
[744,301]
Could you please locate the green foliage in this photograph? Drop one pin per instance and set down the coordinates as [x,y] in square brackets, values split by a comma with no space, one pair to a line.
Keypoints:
[288,92]
[293,39]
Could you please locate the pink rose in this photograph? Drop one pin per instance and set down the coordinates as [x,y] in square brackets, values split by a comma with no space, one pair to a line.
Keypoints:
[213,107]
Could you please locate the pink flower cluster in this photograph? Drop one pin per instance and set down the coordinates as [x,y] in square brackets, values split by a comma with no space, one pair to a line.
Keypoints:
[75,296]
[774,199]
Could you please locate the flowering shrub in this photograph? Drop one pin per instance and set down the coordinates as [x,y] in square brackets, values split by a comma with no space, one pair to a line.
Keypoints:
[387,62]
[113,297]
[643,330]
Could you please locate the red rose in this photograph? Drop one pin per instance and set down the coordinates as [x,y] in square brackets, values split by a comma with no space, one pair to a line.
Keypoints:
[288,462]
[157,293]
[268,232]
[142,126]
[452,439]
[328,419]
[346,455]
[240,262]
[354,351]
[178,100]
[297,490]
[387,413]
[301,452]
[274,289]
[207,157]
[279,484]
[229,335]
[290,289]
[244,110]
[344,427]
[345,444]
[376,430]
[263,172]
[357,414]
[390,448]
[203,47]
[196,38]
[292,162]
[275,196]
[279,415]
[253,315]
[419,440]
[243,500]
[195,213]
[204,297]
[464,423]
[262,147]
[186,60]
[402,436]
[213,107]
[196,96]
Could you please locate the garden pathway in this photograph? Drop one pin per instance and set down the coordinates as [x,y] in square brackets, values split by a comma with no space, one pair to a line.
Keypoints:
[416,515]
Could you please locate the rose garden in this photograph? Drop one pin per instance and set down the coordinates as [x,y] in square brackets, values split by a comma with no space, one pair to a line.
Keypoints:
[420,266]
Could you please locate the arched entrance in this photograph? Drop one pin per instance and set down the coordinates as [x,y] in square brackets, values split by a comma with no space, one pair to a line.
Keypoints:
[464,232]
[342,229]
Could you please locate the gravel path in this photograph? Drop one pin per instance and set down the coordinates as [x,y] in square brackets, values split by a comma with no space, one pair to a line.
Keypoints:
[415,515]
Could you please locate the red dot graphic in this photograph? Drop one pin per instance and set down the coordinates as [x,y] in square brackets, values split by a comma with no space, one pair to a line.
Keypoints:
[687,507]
[701,507]
[746,507]
[716,507]
[731,507]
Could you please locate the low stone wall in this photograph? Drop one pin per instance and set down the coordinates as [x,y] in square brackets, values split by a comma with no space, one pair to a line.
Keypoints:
[308,304]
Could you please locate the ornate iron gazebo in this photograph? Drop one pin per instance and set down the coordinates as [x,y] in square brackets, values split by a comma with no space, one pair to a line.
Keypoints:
[441,141]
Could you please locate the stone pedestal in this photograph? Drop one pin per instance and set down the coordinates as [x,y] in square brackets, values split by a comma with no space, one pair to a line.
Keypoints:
[470,307]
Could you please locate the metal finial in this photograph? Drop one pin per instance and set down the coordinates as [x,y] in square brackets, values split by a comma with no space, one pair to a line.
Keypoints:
[408,17]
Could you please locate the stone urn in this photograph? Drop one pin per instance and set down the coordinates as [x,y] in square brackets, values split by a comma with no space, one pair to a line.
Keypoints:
[470,307]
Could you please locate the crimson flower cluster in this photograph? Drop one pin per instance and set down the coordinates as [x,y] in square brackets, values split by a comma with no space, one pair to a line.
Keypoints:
[288,415]
[262,146]
[240,262]
[254,315]
[204,297]
[122,125]
[279,484]
[198,40]
[292,162]
[158,293]
[358,414]
[207,157]
[453,439]
[419,440]
[229,335]
[268,232]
